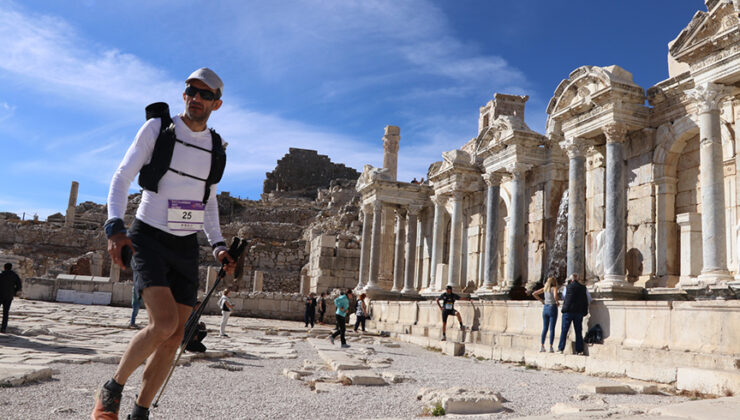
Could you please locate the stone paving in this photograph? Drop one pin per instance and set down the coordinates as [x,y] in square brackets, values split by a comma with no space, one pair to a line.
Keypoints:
[43,334]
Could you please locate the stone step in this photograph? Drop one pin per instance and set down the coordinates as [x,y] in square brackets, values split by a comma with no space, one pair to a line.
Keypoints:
[15,375]
[606,388]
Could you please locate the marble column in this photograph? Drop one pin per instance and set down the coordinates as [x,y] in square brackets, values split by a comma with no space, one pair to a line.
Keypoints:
[708,97]
[398,258]
[490,258]
[515,236]
[616,224]
[69,219]
[576,150]
[373,270]
[367,214]
[456,228]
[390,150]
[437,238]
[411,221]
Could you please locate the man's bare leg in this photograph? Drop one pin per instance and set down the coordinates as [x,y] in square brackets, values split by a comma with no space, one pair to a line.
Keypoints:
[159,363]
[164,321]
[444,329]
[459,319]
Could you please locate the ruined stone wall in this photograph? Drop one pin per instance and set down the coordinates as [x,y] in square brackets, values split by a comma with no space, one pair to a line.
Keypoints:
[473,239]
[303,171]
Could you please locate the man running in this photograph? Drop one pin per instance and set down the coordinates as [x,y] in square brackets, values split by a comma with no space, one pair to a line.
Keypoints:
[179,166]
[448,299]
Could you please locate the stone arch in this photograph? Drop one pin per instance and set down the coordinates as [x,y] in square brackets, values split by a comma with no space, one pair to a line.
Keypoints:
[671,138]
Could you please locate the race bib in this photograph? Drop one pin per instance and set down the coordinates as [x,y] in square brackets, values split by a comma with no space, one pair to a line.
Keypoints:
[185,215]
[449,305]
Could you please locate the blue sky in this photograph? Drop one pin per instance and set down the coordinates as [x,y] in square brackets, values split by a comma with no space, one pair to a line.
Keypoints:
[325,75]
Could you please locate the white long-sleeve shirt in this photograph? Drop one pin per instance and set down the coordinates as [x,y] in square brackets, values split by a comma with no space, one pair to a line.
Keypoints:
[172,186]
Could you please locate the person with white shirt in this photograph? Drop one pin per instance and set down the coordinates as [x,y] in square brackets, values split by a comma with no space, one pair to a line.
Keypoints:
[179,161]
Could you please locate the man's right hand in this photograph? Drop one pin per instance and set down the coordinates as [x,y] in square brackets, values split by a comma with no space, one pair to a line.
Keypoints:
[116,244]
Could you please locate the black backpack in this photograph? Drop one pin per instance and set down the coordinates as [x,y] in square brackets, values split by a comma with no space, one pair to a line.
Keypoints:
[594,335]
[153,171]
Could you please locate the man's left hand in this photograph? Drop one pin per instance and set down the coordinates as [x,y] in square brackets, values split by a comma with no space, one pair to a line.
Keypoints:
[227,261]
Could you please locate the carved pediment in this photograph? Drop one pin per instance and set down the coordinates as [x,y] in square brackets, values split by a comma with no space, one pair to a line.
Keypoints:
[591,89]
[456,159]
[503,129]
[371,174]
[708,32]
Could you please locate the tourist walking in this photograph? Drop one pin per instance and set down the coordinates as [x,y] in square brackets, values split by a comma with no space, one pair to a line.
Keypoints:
[226,306]
[342,304]
[179,162]
[575,307]
[10,285]
[549,312]
[135,305]
[361,312]
[309,317]
[322,307]
[448,308]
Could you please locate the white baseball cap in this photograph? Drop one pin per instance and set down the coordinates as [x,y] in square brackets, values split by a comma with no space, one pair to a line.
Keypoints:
[209,77]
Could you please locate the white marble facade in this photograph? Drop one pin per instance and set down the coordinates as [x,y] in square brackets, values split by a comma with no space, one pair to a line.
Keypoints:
[651,181]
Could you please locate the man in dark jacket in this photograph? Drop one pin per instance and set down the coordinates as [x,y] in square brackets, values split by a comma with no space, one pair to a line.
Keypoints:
[575,307]
[10,285]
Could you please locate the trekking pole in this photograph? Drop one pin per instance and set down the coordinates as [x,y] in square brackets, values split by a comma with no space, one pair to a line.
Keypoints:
[235,250]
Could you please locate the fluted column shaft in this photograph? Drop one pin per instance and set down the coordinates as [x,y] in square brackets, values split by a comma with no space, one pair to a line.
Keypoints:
[515,234]
[576,150]
[411,220]
[456,225]
[375,246]
[437,237]
[708,97]
[398,259]
[490,258]
[614,246]
[367,212]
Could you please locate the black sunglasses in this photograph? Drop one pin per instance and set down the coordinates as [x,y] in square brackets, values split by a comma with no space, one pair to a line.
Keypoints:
[205,94]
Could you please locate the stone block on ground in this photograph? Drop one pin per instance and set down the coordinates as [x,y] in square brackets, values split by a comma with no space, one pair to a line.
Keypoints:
[15,374]
[361,377]
[453,348]
[459,400]
[714,409]
[708,381]
[605,388]
[322,387]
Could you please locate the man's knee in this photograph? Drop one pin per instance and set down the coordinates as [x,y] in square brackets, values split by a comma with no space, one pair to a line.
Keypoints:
[164,329]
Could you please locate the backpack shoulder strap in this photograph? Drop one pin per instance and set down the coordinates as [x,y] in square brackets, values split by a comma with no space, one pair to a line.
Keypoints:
[153,171]
[218,163]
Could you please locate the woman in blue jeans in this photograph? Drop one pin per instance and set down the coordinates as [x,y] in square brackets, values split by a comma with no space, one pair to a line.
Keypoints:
[549,312]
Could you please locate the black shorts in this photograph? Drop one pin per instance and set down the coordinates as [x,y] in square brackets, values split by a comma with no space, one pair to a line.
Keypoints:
[446,313]
[164,259]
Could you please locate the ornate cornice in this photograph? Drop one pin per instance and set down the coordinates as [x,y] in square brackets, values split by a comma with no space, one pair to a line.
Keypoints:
[414,209]
[708,96]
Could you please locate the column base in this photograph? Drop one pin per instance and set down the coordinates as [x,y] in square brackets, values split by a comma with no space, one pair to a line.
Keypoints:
[376,293]
[715,277]
[617,291]
[409,292]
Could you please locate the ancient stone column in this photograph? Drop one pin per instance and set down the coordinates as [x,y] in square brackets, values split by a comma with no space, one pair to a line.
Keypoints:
[69,219]
[115,272]
[437,238]
[616,224]
[515,237]
[490,259]
[576,150]
[390,150]
[367,213]
[708,97]
[456,228]
[411,222]
[372,278]
[398,259]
